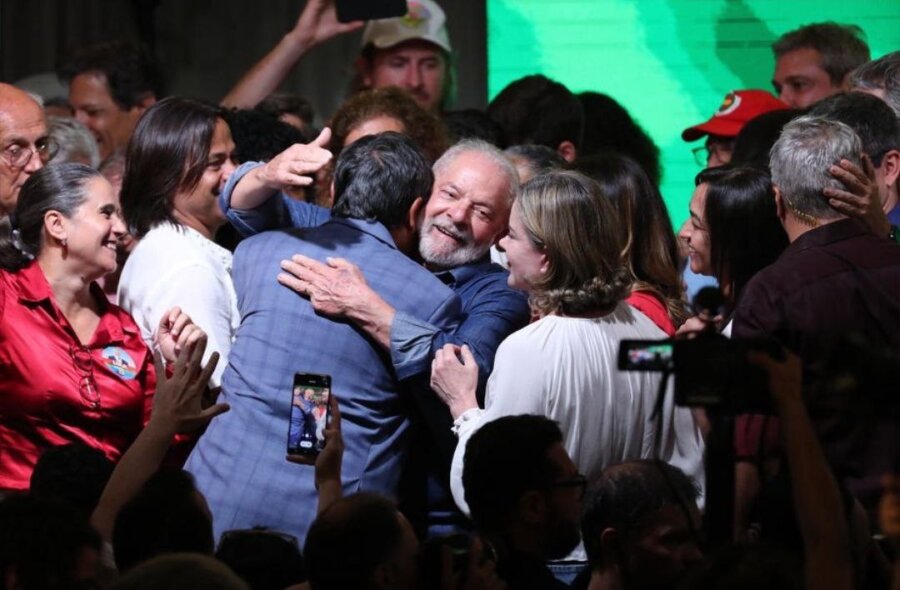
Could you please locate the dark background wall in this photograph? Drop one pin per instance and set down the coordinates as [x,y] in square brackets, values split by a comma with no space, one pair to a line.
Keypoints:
[205,45]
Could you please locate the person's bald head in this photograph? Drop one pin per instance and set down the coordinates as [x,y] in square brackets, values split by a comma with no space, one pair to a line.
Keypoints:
[23,134]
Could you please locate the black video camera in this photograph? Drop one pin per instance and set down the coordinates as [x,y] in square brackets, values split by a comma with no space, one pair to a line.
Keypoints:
[710,370]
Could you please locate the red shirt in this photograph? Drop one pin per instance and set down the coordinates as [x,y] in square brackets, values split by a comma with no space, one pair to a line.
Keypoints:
[43,401]
[651,306]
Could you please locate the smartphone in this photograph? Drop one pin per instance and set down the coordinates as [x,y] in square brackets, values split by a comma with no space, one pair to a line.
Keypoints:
[310,414]
[646,355]
[353,10]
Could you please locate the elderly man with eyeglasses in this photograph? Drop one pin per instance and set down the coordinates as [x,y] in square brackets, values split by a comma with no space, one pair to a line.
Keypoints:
[24,144]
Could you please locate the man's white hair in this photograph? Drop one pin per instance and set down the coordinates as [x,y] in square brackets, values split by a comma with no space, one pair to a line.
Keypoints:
[493,153]
[800,160]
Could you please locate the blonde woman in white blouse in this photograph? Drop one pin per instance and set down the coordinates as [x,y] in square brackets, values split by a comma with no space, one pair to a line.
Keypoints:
[564,246]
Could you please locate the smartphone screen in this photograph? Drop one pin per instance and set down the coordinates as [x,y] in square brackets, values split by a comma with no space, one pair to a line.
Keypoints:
[645,355]
[353,10]
[309,414]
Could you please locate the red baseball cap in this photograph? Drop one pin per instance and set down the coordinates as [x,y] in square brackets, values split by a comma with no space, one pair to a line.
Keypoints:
[739,107]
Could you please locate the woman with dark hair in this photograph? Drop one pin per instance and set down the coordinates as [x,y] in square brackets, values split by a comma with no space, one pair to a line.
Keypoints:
[650,251]
[531,160]
[176,165]
[73,367]
[608,126]
[733,231]
[754,142]
[564,366]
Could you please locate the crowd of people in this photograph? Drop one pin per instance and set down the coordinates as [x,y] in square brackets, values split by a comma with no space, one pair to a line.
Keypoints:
[463,282]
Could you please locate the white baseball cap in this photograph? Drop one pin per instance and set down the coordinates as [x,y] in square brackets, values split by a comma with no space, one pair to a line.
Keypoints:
[424,21]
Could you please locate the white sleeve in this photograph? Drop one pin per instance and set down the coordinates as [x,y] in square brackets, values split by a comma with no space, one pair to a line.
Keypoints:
[205,296]
[688,448]
[515,387]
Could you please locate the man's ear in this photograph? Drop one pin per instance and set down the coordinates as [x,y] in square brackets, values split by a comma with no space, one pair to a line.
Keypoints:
[890,168]
[146,102]
[57,225]
[609,541]
[567,151]
[612,549]
[779,203]
[363,67]
[844,86]
[415,210]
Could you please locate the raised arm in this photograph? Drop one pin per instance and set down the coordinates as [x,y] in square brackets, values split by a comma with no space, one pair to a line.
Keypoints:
[328,463]
[292,167]
[817,500]
[253,199]
[317,23]
[177,409]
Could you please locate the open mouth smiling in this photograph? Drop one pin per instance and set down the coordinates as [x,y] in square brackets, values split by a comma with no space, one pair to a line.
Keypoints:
[450,234]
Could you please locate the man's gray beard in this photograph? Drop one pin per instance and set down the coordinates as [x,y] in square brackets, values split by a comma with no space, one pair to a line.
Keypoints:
[448,259]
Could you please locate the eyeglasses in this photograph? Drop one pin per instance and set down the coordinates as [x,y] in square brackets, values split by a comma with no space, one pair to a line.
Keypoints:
[87,386]
[579,482]
[18,156]
[720,150]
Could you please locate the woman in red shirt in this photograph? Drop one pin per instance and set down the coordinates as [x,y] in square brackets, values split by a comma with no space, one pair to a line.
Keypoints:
[73,367]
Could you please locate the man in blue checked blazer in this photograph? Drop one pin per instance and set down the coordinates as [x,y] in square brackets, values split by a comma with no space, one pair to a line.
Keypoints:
[239,463]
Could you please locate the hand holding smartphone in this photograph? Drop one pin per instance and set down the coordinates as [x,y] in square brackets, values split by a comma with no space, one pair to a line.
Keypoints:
[355,10]
[310,414]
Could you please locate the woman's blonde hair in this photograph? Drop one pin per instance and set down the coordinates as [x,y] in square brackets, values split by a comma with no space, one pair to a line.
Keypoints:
[566,215]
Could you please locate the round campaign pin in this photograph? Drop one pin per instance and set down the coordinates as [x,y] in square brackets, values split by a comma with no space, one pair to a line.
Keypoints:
[119,362]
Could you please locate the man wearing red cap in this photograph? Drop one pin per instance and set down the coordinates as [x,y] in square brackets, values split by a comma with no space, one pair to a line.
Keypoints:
[738,108]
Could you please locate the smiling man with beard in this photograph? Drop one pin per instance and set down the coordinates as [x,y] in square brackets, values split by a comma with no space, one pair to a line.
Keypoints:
[468,212]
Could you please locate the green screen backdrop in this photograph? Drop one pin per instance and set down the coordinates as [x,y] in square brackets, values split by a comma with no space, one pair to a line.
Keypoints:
[669,62]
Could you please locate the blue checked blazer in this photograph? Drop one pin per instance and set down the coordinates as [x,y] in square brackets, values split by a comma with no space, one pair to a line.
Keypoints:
[239,463]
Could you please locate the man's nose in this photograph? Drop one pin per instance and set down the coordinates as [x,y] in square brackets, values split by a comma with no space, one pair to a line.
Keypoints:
[34,163]
[787,96]
[413,76]
[458,213]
